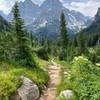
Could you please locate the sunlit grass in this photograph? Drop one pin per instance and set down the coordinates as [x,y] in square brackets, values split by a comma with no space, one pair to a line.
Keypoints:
[42,63]
[10,77]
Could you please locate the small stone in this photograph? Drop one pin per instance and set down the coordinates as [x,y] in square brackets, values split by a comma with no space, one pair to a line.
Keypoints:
[67,94]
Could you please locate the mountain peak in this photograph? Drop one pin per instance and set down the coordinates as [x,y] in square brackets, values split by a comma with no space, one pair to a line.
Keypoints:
[51,4]
[97,16]
[95,25]
[28,11]
[28,1]
[98,12]
[53,0]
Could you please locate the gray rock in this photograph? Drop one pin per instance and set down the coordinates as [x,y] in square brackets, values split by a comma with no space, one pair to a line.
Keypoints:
[27,91]
[67,94]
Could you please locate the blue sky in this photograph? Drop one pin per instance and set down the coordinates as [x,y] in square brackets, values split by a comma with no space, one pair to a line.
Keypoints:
[87,7]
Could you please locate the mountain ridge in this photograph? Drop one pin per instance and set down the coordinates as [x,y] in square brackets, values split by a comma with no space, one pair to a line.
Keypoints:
[4,25]
[95,25]
[2,14]
[28,11]
[46,17]
[49,19]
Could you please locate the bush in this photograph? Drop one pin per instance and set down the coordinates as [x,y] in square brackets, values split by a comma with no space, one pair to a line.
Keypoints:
[94,54]
[84,79]
[42,53]
[10,78]
[8,84]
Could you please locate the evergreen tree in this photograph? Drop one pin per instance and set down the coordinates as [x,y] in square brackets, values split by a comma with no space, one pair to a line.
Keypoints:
[31,39]
[23,51]
[63,37]
[47,45]
[44,49]
[82,43]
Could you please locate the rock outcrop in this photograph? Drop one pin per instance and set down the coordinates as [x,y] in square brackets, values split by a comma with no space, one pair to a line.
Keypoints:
[27,91]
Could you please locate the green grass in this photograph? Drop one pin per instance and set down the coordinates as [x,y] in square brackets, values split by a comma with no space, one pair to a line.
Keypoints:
[83,80]
[63,98]
[65,66]
[10,78]
[41,63]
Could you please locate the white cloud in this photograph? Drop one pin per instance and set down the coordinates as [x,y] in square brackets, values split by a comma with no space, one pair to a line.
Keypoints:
[88,8]
[6,5]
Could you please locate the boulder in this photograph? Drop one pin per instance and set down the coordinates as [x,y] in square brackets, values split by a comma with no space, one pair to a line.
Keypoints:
[27,91]
[68,94]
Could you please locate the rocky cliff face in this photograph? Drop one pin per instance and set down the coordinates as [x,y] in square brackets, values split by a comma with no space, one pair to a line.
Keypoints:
[48,20]
[95,26]
[28,11]
[45,18]
[97,17]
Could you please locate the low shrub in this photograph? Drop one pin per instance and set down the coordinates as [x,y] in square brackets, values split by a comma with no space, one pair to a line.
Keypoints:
[10,78]
[84,79]
[42,53]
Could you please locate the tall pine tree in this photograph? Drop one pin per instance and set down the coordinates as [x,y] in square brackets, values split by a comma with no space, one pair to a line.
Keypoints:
[23,54]
[63,37]
[82,43]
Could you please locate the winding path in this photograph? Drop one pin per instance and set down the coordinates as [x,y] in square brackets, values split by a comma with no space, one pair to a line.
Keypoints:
[54,74]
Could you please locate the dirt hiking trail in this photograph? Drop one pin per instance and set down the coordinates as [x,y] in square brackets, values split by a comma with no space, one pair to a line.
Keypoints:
[54,74]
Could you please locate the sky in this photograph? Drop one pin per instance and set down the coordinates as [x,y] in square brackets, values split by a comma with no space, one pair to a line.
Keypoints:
[87,7]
